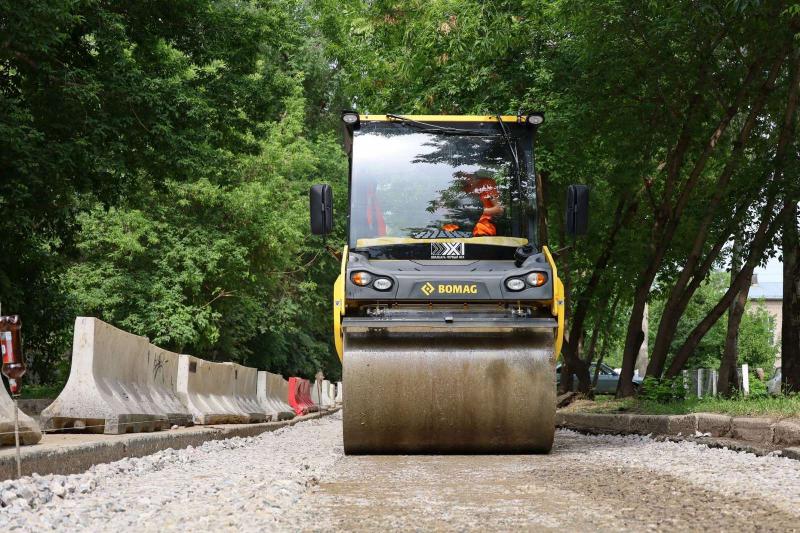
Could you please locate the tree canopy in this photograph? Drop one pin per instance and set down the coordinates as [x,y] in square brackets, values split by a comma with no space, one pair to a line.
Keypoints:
[155,157]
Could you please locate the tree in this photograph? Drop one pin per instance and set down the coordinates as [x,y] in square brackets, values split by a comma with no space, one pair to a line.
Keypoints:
[154,159]
[790,329]
[755,343]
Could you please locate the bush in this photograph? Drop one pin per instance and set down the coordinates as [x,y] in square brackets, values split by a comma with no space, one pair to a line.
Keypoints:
[663,391]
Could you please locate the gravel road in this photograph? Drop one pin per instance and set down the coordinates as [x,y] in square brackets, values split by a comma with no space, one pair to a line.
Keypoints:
[297,479]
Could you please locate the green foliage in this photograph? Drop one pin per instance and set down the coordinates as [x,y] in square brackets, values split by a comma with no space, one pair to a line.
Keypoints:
[155,154]
[758,388]
[155,157]
[756,333]
[753,405]
[663,390]
[757,345]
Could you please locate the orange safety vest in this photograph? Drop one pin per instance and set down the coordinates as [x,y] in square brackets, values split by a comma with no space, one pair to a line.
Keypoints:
[375,215]
[486,189]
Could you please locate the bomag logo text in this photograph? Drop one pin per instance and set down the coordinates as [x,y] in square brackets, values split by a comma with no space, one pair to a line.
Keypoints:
[449,288]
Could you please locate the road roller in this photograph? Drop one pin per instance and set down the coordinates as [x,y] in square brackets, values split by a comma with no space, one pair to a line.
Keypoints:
[448,313]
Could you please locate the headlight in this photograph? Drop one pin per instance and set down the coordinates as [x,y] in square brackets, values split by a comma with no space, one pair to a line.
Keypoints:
[362,279]
[382,284]
[537,279]
[350,118]
[515,284]
[536,119]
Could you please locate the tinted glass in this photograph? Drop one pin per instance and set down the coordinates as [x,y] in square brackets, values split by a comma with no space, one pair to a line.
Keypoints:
[410,184]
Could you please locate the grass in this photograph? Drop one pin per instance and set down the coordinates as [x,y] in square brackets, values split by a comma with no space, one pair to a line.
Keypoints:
[757,405]
[32,392]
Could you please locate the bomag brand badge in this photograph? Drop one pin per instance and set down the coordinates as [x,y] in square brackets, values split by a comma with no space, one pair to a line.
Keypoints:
[428,289]
[449,288]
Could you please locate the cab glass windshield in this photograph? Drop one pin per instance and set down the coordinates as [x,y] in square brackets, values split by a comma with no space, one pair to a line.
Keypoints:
[412,183]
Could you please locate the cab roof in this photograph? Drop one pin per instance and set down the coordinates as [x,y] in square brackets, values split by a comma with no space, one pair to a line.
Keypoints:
[445,118]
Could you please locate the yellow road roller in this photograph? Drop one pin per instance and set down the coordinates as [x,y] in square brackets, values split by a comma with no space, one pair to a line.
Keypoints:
[448,315]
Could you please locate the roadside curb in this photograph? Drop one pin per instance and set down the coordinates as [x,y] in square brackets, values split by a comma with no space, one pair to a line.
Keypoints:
[53,457]
[758,435]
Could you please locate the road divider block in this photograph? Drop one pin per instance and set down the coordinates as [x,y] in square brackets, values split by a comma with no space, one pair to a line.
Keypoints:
[163,382]
[300,396]
[321,394]
[245,393]
[109,384]
[332,394]
[29,431]
[339,392]
[208,390]
[272,396]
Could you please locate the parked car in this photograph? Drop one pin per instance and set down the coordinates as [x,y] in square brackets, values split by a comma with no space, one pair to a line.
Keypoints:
[774,384]
[607,379]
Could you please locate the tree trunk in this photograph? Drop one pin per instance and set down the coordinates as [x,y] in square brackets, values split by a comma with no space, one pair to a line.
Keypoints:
[593,341]
[566,381]
[633,338]
[727,382]
[597,366]
[572,366]
[790,328]
[642,358]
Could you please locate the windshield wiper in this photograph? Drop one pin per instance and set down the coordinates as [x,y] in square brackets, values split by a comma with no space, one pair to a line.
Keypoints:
[426,127]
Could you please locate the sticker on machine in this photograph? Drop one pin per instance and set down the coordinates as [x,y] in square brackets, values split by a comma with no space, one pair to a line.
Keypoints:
[447,250]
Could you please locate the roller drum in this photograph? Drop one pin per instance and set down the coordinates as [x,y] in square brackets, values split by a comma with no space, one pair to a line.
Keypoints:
[449,392]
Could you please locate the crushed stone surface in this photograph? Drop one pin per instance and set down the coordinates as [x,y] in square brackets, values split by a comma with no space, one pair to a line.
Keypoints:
[297,478]
[222,485]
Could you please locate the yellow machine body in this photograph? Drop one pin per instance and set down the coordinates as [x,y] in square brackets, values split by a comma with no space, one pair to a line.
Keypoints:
[448,360]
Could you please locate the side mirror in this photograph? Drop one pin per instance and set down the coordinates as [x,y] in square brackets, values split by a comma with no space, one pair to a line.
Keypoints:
[321,209]
[577,209]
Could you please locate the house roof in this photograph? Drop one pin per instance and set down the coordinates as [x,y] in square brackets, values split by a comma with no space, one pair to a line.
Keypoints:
[767,290]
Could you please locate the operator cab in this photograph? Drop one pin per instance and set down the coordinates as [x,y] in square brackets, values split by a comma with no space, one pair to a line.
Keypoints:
[441,208]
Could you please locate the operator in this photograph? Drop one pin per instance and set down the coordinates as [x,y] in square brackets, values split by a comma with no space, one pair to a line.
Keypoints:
[482,184]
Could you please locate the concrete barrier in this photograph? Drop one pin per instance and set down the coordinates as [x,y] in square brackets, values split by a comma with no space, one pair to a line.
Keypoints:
[282,386]
[29,431]
[163,380]
[208,391]
[300,396]
[34,406]
[305,390]
[272,395]
[339,392]
[108,389]
[320,394]
[332,393]
[245,393]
